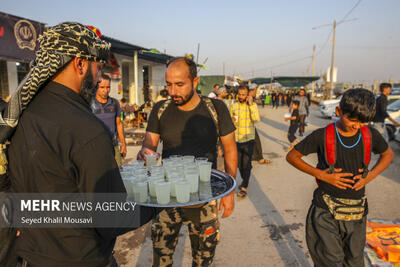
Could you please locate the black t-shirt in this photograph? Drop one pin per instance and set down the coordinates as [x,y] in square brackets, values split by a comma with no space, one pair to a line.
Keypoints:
[349,159]
[59,146]
[381,106]
[295,113]
[190,132]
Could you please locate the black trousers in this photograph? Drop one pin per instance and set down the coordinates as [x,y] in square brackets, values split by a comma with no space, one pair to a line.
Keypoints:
[292,132]
[334,243]
[245,152]
[302,119]
[257,152]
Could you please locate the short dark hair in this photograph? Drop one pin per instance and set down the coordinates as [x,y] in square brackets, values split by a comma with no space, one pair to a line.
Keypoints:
[215,85]
[382,86]
[105,77]
[243,87]
[189,62]
[358,103]
[123,100]
[296,102]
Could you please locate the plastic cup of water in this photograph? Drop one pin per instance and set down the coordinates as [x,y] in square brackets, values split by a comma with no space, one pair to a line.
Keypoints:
[188,159]
[193,178]
[152,180]
[173,179]
[151,160]
[137,163]
[163,192]
[182,188]
[128,183]
[205,171]
[140,171]
[140,193]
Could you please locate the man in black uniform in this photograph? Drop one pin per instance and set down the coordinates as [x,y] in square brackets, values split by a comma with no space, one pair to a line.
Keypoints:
[187,127]
[381,113]
[59,146]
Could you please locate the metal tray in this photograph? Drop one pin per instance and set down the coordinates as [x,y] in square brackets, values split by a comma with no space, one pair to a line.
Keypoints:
[220,185]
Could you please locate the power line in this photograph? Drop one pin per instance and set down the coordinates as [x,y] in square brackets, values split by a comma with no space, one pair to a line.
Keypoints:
[350,11]
[278,65]
[330,33]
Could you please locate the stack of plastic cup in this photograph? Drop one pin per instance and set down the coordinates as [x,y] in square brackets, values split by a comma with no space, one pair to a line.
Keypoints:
[163,192]
[182,188]
[205,171]
[140,193]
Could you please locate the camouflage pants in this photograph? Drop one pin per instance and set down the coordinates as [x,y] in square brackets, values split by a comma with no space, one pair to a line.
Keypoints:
[203,226]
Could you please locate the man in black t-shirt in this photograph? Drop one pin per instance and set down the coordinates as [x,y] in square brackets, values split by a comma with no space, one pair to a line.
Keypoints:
[186,127]
[381,113]
[335,236]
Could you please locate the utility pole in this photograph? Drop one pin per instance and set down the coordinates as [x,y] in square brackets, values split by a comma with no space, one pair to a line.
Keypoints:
[223,68]
[332,84]
[313,71]
[198,51]
[270,82]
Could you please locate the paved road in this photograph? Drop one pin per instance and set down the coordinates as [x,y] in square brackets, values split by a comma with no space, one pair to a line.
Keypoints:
[267,228]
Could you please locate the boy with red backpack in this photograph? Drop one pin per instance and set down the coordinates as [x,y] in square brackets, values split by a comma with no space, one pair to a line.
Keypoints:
[336,220]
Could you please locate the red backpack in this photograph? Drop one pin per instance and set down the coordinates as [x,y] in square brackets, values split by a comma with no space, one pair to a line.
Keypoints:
[330,148]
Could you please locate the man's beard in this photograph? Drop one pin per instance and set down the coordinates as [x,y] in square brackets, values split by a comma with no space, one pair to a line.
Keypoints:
[182,101]
[88,87]
[242,100]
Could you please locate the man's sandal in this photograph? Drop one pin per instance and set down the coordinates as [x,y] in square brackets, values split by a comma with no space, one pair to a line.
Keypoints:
[242,193]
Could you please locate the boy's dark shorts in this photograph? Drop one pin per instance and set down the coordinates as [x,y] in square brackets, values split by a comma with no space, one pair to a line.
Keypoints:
[334,243]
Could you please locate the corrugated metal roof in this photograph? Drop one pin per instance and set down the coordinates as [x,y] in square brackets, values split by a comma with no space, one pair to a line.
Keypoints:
[128,49]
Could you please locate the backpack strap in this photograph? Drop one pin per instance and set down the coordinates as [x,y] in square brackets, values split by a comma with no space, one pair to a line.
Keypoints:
[367,143]
[114,102]
[163,108]
[212,111]
[330,146]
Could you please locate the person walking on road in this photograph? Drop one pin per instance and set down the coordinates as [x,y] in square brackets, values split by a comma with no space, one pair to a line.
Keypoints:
[336,220]
[381,111]
[257,151]
[294,124]
[303,110]
[244,114]
[108,110]
[186,126]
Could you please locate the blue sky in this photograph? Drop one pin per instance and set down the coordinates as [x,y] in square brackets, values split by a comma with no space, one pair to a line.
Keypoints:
[252,38]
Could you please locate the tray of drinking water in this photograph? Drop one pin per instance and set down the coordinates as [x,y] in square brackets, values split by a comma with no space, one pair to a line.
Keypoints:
[175,185]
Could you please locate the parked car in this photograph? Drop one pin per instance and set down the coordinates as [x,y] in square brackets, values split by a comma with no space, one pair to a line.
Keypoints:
[394,112]
[328,107]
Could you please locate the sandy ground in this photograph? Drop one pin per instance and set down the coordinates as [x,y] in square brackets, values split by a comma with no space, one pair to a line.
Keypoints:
[267,228]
